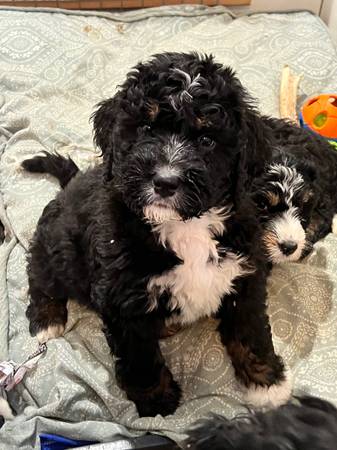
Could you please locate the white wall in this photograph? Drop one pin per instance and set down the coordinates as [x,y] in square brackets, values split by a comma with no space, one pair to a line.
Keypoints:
[280,5]
[329,15]
[327,9]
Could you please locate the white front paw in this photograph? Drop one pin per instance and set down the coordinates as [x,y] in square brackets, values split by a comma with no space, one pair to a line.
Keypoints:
[270,396]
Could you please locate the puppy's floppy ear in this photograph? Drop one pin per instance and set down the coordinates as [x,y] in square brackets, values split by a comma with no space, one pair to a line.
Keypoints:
[104,121]
[243,124]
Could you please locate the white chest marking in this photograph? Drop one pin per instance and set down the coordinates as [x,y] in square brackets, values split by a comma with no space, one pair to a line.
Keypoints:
[197,285]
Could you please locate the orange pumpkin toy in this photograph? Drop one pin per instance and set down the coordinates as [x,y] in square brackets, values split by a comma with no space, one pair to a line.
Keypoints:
[319,113]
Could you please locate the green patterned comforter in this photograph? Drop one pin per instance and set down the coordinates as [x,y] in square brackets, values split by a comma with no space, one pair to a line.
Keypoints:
[54,67]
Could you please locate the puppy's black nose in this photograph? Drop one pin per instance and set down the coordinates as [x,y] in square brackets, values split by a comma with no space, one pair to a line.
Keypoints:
[288,247]
[165,186]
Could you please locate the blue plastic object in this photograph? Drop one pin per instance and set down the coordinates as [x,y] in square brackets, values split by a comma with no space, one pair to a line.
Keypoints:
[55,442]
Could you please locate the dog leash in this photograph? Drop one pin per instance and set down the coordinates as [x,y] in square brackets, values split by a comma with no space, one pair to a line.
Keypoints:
[12,373]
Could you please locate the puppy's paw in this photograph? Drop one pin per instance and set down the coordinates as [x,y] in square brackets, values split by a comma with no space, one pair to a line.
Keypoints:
[162,399]
[51,332]
[272,396]
[47,318]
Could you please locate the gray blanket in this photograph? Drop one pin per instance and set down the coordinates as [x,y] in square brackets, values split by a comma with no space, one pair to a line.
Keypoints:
[54,67]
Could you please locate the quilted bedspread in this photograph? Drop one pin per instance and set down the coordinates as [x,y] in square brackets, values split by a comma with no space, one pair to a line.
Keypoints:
[54,67]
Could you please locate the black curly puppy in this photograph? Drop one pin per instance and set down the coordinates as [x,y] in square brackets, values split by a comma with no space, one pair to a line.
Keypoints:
[163,232]
[311,424]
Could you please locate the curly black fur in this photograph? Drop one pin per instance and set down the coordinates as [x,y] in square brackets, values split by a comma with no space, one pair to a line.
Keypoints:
[309,424]
[180,140]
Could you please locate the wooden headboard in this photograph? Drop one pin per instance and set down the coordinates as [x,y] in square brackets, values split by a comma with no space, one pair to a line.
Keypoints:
[112,4]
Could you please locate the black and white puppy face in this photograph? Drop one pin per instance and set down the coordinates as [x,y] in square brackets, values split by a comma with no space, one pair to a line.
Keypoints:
[285,197]
[162,175]
[170,136]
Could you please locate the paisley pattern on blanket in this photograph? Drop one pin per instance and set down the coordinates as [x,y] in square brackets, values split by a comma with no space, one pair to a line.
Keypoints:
[54,68]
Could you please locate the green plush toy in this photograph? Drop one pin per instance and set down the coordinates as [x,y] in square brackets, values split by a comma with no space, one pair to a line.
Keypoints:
[334,144]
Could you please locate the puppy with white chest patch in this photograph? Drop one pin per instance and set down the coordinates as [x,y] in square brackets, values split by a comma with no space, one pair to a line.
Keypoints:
[162,232]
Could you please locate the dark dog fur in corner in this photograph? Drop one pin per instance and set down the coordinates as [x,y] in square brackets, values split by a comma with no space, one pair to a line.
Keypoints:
[309,424]
[163,231]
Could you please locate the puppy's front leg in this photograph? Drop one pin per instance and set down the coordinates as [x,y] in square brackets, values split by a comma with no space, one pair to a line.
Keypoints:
[140,367]
[245,331]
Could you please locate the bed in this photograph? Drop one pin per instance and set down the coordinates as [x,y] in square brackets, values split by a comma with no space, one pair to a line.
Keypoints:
[54,67]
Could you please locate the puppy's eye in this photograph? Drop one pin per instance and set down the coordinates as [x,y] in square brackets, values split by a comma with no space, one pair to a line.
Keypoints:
[144,129]
[206,142]
[263,205]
